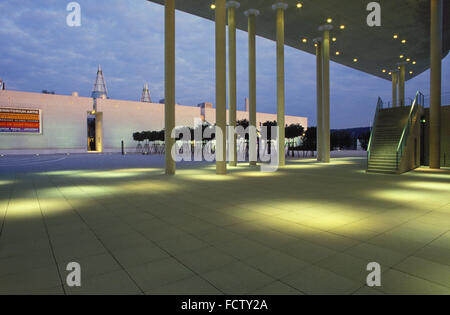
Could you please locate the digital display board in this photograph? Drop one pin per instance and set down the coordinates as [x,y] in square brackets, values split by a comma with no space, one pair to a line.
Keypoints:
[20,120]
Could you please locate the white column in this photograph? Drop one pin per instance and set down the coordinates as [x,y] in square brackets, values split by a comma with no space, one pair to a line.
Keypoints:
[221,87]
[251,14]
[169,81]
[232,100]
[435,83]
[280,7]
[394,87]
[319,90]
[325,145]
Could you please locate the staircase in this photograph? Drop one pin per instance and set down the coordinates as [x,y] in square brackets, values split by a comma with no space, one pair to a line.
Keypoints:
[393,147]
[388,130]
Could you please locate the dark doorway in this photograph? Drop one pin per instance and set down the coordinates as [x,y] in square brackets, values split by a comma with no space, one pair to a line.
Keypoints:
[415,152]
[91,133]
[422,141]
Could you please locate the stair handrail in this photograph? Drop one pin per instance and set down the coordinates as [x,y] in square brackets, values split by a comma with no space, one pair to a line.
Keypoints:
[372,131]
[418,101]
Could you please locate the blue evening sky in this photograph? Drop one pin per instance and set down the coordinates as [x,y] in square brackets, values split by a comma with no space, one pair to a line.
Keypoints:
[39,51]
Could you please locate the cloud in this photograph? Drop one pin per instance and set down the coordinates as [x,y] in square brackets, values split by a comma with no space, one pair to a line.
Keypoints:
[127,38]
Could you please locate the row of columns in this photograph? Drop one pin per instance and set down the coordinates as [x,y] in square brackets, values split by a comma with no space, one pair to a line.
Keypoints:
[252,142]
[221,7]
[398,80]
[323,83]
[435,82]
[398,85]
[323,93]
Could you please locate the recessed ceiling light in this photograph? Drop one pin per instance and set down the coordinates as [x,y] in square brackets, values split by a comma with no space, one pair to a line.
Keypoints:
[329,20]
[213,6]
[408,60]
[355,60]
[401,56]
[304,40]
[334,39]
[410,72]
[395,36]
[413,62]
[404,41]
[337,53]
[299,5]
[390,73]
[342,26]
[384,70]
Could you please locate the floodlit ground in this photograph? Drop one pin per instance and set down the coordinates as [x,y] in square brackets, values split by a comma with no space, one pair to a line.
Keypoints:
[309,228]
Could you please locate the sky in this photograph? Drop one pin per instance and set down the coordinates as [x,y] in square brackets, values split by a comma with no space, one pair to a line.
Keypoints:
[40,51]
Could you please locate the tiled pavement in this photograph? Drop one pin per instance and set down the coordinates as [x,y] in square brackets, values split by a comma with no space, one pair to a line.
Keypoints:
[309,228]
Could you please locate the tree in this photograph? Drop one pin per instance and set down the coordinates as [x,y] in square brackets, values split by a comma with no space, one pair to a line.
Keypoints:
[291,132]
[310,140]
[267,132]
[269,124]
[138,136]
[364,139]
[244,123]
[341,139]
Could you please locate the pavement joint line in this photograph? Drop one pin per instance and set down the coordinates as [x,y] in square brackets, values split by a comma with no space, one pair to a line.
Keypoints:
[109,252]
[100,201]
[6,212]
[49,239]
[170,255]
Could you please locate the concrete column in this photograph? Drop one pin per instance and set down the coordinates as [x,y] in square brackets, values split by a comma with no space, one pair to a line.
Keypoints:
[169,60]
[394,87]
[280,7]
[435,83]
[319,88]
[325,145]
[99,132]
[401,84]
[251,14]
[221,86]
[232,6]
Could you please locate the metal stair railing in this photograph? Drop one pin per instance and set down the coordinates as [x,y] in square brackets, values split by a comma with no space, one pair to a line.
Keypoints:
[372,132]
[418,101]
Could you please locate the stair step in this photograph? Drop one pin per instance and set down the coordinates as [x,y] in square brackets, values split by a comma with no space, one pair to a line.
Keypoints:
[380,154]
[388,131]
[382,159]
[382,172]
[382,169]
[382,165]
